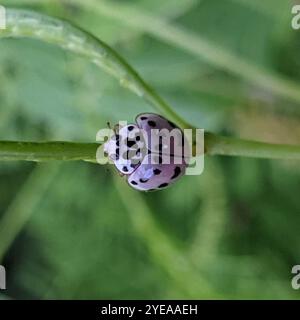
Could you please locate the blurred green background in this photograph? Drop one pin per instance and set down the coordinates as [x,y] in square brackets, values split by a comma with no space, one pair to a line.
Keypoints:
[76,231]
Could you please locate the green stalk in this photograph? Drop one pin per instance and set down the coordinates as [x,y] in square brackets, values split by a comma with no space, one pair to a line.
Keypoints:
[218,145]
[47,151]
[71,151]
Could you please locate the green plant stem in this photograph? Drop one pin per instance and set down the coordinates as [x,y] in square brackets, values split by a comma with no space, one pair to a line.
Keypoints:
[47,151]
[219,145]
[24,23]
[71,151]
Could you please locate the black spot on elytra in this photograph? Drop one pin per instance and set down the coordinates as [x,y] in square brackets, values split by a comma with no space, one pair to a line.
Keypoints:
[125,169]
[117,152]
[130,143]
[151,123]
[144,180]
[177,172]
[157,171]
[144,118]
[133,165]
[118,143]
[163,185]
[130,128]
[133,182]
[137,138]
